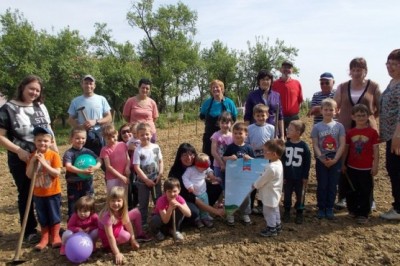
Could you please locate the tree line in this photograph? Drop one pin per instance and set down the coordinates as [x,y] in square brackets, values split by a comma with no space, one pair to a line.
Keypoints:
[168,54]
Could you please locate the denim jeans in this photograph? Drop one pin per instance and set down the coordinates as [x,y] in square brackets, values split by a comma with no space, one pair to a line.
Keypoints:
[327,180]
[393,168]
[144,193]
[77,190]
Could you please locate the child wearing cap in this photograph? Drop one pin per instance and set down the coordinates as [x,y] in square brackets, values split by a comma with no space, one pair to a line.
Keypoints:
[45,165]
[194,180]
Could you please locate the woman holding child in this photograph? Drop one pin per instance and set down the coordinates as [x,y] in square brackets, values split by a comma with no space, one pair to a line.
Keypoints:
[185,158]
[18,118]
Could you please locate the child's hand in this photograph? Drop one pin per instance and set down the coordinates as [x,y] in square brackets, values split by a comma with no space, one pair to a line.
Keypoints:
[119,259]
[374,170]
[38,156]
[232,157]
[124,179]
[127,171]
[246,157]
[173,204]
[88,171]
[134,244]
[191,190]
[149,183]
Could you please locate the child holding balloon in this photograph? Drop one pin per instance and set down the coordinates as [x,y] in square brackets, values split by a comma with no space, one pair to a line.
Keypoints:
[84,219]
[115,223]
[116,159]
[78,162]
[45,165]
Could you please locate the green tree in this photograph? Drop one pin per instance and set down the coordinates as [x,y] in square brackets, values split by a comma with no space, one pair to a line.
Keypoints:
[168,48]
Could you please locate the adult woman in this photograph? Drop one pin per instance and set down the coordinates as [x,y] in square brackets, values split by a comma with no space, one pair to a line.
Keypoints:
[18,118]
[352,92]
[390,130]
[184,159]
[211,109]
[265,95]
[141,108]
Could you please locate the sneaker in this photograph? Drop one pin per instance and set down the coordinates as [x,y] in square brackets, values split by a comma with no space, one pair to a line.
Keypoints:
[329,214]
[230,220]
[362,219]
[257,210]
[208,223]
[246,219]
[143,238]
[373,206]
[269,232]
[341,204]
[321,214]
[179,237]
[32,239]
[392,214]
[278,228]
[199,223]
[286,217]
[160,236]
[299,218]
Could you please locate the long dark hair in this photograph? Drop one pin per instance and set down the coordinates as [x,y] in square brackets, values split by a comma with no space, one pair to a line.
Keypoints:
[177,167]
[26,81]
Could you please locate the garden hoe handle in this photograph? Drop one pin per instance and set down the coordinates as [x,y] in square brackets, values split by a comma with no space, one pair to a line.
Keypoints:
[24,221]
[83,113]
[303,195]
[174,225]
[277,123]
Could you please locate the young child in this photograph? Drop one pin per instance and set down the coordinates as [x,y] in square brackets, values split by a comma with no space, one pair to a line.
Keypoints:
[259,133]
[269,186]
[194,180]
[45,165]
[328,139]
[116,159]
[149,167]
[362,154]
[219,141]
[76,186]
[115,223]
[239,149]
[296,168]
[161,220]
[132,144]
[84,219]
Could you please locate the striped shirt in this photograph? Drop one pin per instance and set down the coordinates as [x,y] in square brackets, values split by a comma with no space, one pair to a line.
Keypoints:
[316,100]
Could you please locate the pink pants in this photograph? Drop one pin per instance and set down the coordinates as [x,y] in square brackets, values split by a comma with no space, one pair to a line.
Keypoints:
[120,233]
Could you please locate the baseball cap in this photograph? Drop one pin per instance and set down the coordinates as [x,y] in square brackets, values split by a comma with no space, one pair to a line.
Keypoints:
[88,77]
[327,76]
[42,130]
[287,63]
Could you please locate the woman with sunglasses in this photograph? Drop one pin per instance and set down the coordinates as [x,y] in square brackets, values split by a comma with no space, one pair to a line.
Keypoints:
[357,90]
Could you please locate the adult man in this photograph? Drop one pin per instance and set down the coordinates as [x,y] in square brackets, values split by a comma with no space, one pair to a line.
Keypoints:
[326,81]
[91,111]
[290,92]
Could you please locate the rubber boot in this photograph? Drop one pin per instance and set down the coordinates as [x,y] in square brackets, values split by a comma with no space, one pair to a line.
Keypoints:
[44,240]
[55,236]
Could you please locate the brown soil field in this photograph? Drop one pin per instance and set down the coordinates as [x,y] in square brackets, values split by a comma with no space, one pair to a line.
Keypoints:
[315,242]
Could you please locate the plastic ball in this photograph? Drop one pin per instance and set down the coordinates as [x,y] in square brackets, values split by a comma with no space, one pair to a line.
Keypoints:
[84,161]
[79,247]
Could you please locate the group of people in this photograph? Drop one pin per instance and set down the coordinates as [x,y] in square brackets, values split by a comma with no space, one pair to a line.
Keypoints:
[344,139]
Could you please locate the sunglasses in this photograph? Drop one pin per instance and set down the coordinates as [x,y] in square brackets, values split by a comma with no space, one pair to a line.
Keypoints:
[125,131]
[324,82]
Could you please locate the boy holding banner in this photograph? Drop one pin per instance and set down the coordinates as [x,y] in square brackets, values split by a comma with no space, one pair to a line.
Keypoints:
[269,186]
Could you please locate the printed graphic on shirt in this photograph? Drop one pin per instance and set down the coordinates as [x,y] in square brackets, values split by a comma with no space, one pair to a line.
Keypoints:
[329,143]
[293,156]
[43,179]
[359,142]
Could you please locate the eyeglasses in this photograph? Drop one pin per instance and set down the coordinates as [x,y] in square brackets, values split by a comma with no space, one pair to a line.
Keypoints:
[324,83]
[125,131]
[392,64]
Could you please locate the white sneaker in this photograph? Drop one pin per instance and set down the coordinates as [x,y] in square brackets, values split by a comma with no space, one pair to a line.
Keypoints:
[246,219]
[392,214]
[230,220]
[341,203]
[373,206]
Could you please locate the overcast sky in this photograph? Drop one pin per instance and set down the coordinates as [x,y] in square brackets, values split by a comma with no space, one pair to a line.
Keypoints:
[328,34]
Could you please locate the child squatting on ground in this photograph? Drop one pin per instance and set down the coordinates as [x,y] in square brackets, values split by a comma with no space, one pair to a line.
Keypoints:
[84,219]
[77,186]
[45,165]
[360,163]
[115,223]
[296,168]
[269,186]
[328,139]
[194,180]
[167,205]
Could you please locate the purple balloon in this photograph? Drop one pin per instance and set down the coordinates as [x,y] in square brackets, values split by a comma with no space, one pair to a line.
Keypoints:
[79,247]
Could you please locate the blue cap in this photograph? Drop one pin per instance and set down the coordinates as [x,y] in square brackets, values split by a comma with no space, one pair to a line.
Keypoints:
[42,130]
[327,76]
